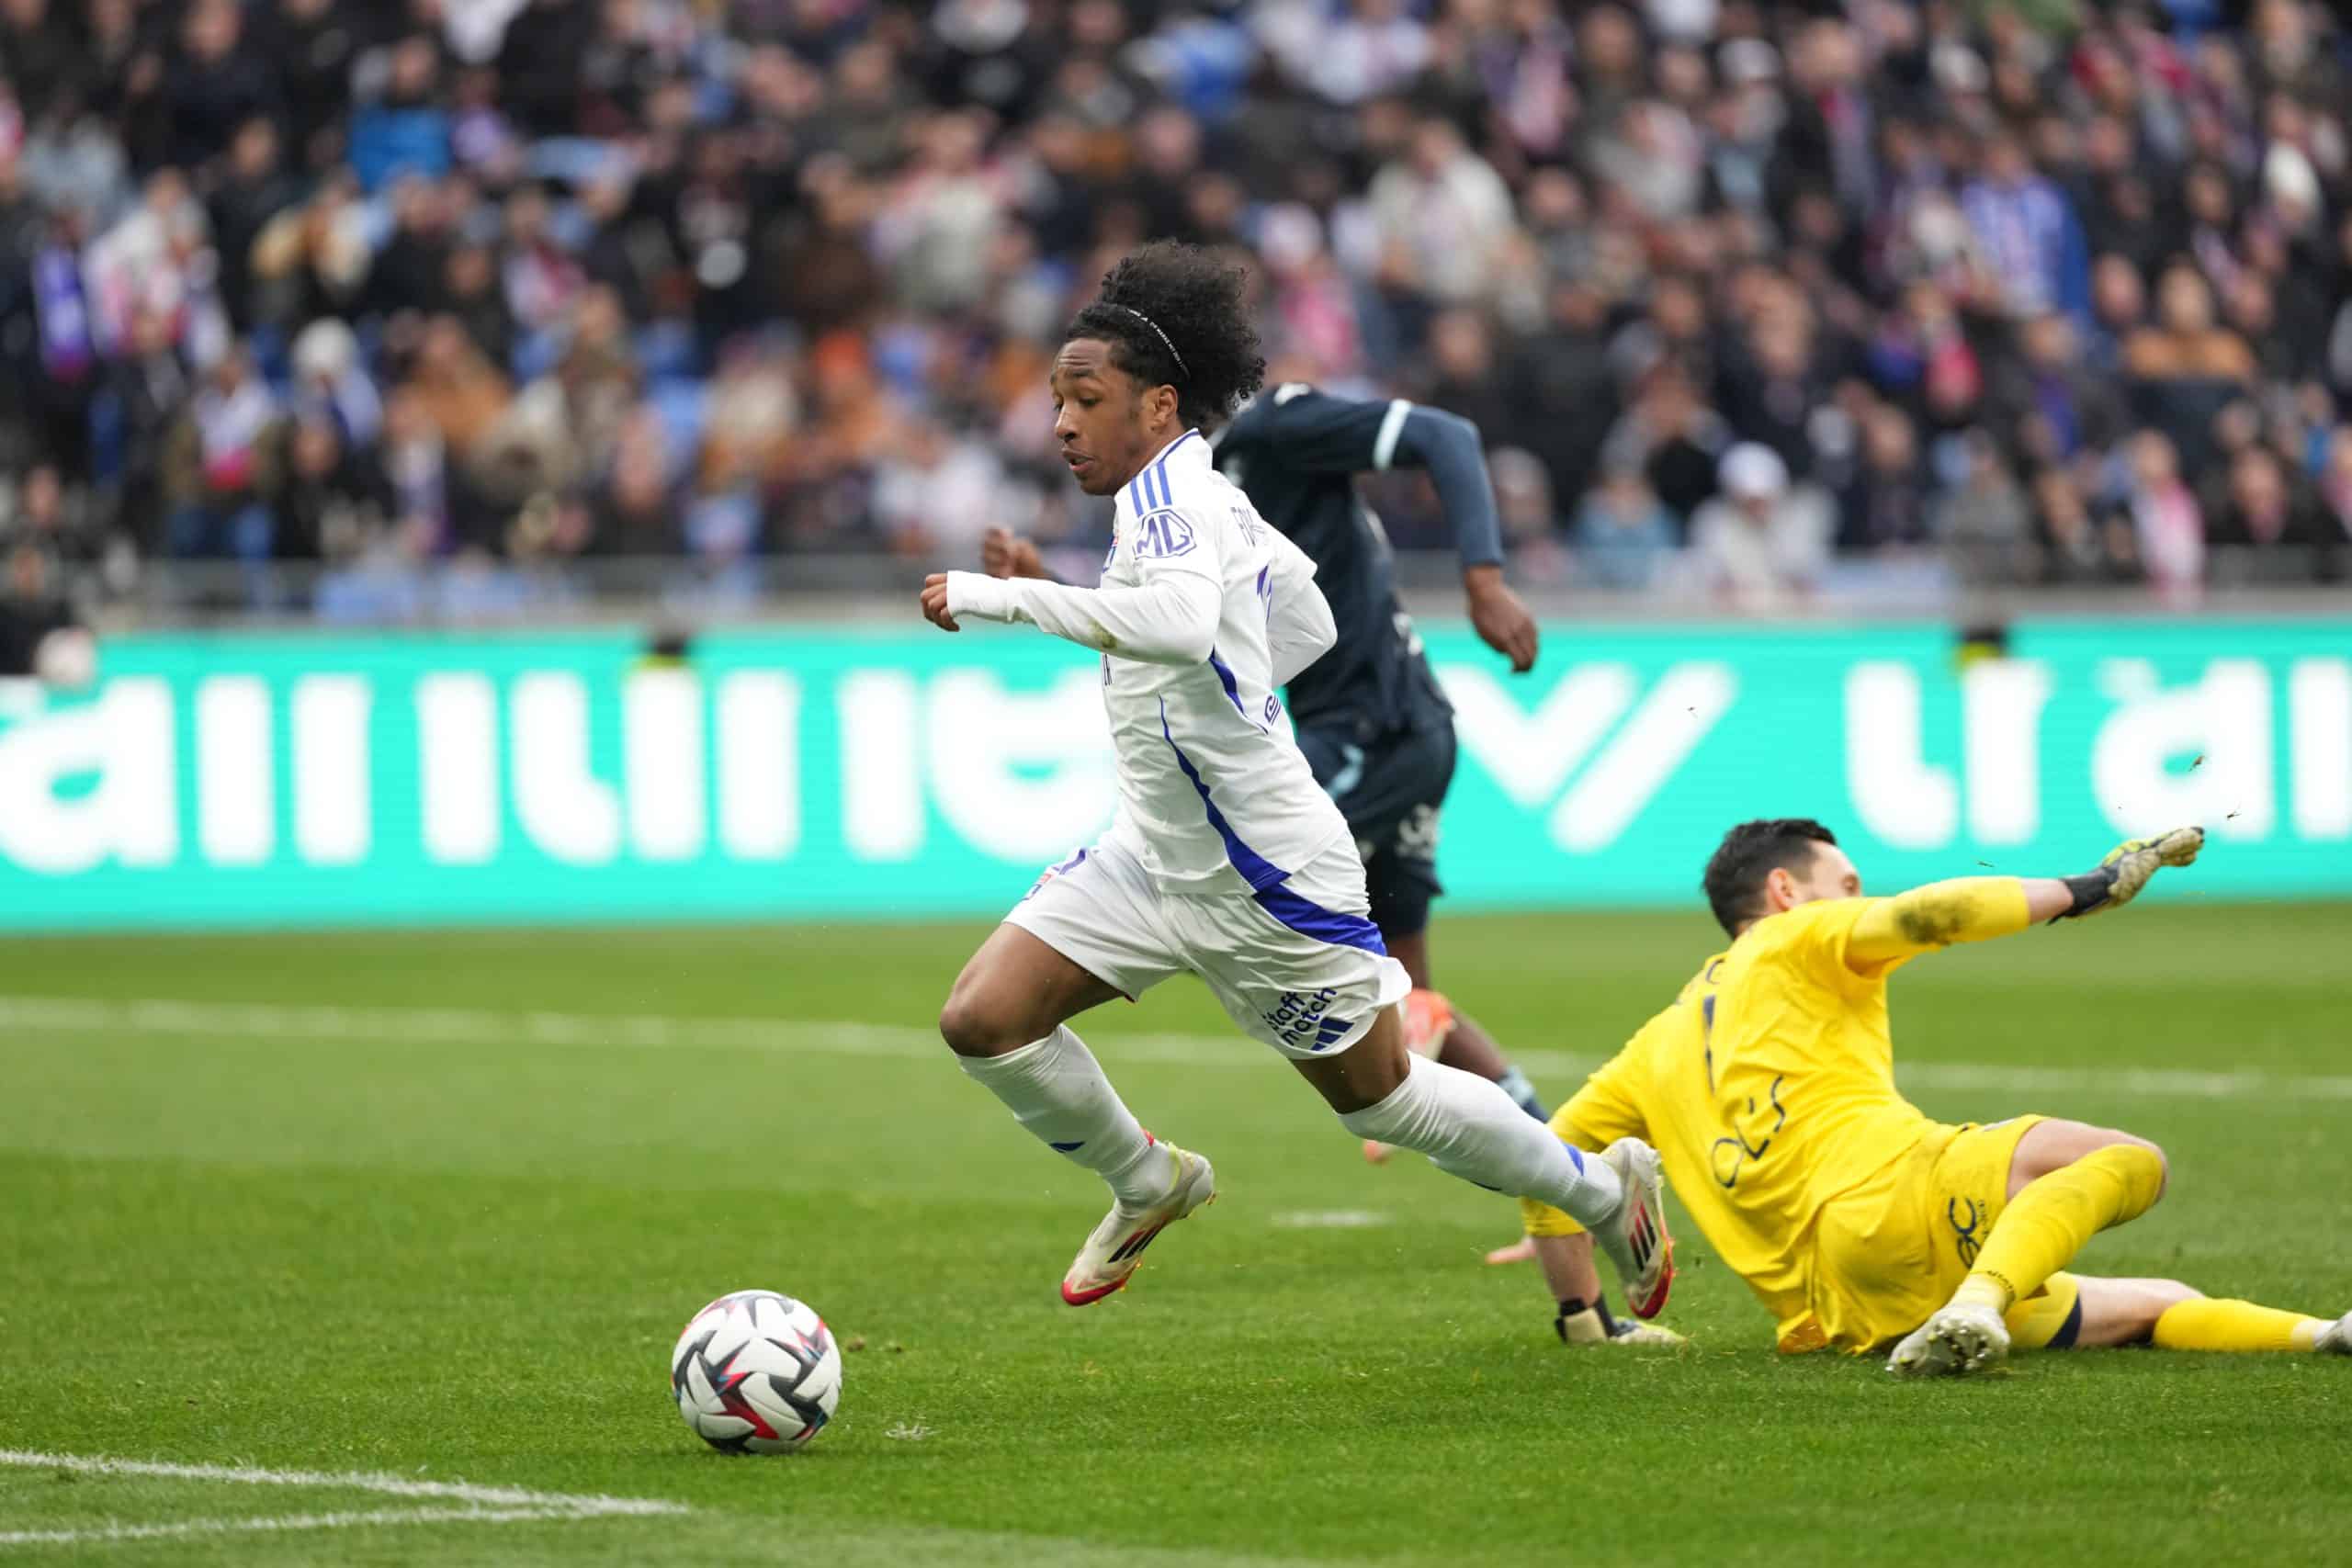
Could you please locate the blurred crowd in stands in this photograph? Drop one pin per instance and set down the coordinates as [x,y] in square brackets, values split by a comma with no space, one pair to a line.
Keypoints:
[1755,301]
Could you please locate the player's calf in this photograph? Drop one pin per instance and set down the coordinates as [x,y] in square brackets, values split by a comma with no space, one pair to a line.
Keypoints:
[2085,1312]
[1003,1021]
[1470,1129]
[2116,1311]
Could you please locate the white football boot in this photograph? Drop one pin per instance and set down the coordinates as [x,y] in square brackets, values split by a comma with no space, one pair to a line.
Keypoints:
[1636,1236]
[1112,1253]
[2335,1339]
[1960,1340]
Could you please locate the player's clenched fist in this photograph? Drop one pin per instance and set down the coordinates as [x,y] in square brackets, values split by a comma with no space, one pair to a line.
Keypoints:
[934,603]
[1004,553]
[2128,867]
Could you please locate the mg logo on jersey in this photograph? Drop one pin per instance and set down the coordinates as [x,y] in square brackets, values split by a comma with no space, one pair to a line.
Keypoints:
[1598,749]
[1302,1019]
[1161,534]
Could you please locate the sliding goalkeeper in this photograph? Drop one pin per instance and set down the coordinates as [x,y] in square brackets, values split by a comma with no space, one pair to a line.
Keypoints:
[1768,1088]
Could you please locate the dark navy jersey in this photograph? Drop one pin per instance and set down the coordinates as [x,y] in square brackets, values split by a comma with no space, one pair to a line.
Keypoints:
[1295,451]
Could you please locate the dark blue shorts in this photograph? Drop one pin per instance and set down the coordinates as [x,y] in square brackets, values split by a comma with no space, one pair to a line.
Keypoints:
[1391,790]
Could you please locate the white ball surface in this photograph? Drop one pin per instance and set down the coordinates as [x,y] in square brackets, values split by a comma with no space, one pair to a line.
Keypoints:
[756,1373]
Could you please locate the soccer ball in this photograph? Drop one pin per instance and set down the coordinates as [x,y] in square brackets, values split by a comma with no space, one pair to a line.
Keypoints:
[756,1373]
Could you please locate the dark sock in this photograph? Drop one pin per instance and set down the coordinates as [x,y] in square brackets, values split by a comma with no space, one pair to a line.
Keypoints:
[1522,1094]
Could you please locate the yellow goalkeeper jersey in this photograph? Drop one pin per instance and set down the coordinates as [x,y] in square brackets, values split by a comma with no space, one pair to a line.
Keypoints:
[1767,1089]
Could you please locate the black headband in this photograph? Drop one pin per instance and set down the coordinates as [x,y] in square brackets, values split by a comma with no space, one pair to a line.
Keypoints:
[1181,369]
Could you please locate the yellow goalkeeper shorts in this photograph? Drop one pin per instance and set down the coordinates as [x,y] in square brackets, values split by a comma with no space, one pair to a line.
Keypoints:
[1888,1253]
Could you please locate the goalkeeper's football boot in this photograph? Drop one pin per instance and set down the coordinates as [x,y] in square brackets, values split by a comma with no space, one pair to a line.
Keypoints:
[1961,1339]
[2335,1339]
[1580,1324]
[1636,1236]
[1429,1018]
[1112,1253]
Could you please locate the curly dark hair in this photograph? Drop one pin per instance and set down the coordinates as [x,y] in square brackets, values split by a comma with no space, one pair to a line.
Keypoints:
[1173,314]
[1749,853]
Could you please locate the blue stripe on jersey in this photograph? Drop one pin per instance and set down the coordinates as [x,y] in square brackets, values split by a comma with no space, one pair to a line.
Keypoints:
[1158,472]
[1151,489]
[1255,869]
[1307,917]
[1295,910]
[1232,687]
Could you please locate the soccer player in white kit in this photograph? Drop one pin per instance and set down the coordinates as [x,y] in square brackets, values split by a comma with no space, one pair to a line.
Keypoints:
[1225,858]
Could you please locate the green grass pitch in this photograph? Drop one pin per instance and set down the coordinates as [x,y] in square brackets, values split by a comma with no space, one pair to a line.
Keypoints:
[435,1206]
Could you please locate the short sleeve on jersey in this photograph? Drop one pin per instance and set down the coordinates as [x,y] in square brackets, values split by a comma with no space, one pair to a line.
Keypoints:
[1812,938]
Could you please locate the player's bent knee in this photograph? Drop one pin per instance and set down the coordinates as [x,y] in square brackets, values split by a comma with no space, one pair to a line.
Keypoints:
[2053,1144]
[2133,1141]
[972,1026]
[961,1026]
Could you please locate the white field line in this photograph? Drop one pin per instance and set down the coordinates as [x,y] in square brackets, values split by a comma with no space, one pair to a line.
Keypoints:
[113,1533]
[268,1021]
[568,1504]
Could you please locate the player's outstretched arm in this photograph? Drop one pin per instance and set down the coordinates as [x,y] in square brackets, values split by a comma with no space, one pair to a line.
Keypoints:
[1170,620]
[1978,908]
[2129,867]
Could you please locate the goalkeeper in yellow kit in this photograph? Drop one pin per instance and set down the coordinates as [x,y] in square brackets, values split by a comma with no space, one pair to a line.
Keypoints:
[1769,1090]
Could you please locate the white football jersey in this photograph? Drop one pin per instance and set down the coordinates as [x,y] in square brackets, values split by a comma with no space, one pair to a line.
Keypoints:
[1213,792]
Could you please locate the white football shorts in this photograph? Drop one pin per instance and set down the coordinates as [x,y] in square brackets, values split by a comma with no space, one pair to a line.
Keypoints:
[1297,966]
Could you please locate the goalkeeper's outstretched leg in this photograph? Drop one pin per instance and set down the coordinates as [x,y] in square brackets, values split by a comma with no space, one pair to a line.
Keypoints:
[2068,1181]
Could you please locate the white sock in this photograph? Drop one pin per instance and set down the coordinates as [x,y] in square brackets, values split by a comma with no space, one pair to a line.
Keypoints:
[1469,1128]
[1054,1087]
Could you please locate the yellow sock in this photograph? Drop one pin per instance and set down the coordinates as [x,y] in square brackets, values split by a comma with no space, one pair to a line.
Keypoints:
[2048,1222]
[2207,1325]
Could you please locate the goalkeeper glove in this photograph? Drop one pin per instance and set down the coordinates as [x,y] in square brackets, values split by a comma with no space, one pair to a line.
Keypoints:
[2127,869]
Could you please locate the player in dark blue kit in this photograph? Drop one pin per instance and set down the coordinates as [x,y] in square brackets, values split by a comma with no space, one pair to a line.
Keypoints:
[1369,714]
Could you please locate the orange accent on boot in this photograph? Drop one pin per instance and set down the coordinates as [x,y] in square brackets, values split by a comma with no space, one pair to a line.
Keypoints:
[1429,1018]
